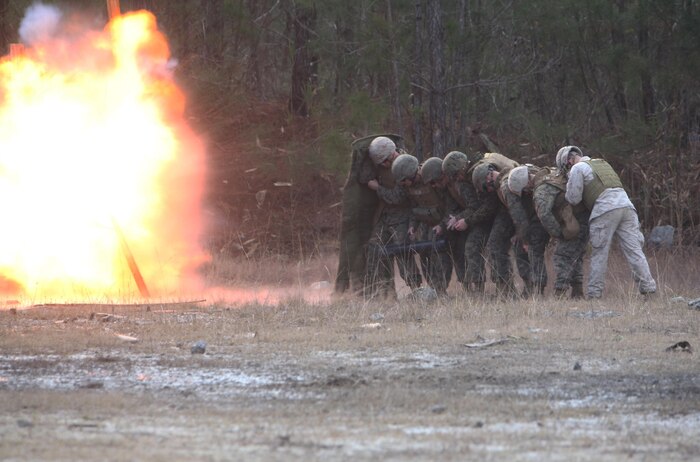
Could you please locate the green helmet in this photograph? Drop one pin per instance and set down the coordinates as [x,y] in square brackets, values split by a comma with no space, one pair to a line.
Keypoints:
[479,175]
[454,163]
[431,170]
[404,167]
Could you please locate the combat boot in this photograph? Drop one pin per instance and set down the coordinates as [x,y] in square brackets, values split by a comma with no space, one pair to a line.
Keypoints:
[577,291]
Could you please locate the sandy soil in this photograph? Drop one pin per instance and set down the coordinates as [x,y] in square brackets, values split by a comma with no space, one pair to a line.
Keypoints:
[554,381]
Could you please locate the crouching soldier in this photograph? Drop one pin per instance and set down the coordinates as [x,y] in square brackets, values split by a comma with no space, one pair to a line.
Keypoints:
[426,213]
[567,224]
[474,220]
[486,177]
[391,223]
[516,193]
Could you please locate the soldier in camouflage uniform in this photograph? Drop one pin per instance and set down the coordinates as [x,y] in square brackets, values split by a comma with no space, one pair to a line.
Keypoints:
[391,223]
[473,218]
[426,214]
[485,178]
[595,183]
[516,194]
[567,224]
[431,174]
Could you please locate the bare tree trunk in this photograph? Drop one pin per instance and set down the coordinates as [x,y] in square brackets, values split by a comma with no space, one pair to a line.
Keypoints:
[303,67]
[396,90]
[436,38]
[417,83]
[648,99]
[618,41]
[212,29]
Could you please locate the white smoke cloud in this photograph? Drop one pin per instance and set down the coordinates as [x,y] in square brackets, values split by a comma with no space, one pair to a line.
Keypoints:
[39,24]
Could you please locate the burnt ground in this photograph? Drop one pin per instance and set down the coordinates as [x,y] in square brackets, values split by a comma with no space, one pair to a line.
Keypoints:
[452,380]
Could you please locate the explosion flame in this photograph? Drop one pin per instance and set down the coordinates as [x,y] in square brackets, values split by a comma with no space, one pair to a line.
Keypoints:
[94,144]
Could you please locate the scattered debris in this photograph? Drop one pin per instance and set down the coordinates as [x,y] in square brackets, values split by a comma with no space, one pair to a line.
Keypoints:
[247,335]
[678,300]
[593,314]
[320,285]
[577,366]
[282,184]
[372,325]
[662,236]
[683,346]
[127,338]
[423,294]
[483,343]
[22,423]
[92,385]
[695,304]
[199,347]
[376,317]
[13,311]
[106,317]
[438,409]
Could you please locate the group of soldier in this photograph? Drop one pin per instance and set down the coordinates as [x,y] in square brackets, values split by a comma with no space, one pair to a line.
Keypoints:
[467,212]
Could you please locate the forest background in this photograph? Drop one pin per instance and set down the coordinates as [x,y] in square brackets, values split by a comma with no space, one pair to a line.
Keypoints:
[280,89]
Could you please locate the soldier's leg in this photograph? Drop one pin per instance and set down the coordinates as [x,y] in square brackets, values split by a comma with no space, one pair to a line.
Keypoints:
[475,256]
[602,229]
[631,242]
[457,241]
[539,238]
[499,246]
[522,263]
[379,279]
[406,261]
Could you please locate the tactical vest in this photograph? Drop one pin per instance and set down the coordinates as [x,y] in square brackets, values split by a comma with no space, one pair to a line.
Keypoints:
[604,177]
[499,160]
[427,204]
[453,189]
[502,183]
[562,210]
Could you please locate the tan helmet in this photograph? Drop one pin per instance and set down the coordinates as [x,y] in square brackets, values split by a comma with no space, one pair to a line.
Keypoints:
[563,156]
[454,163]
[431,170]
[380,149]
[481,171]
[518,179]
[404,167]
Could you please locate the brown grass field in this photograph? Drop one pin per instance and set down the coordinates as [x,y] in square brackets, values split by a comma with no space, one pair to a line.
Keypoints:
[291,374]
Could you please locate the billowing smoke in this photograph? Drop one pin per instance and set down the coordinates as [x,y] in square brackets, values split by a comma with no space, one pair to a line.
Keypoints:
[39,24]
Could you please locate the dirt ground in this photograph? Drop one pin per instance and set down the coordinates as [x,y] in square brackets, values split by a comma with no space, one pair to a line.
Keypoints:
[455,379]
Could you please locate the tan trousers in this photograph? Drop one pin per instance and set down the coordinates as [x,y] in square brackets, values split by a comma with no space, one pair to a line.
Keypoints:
[624,224]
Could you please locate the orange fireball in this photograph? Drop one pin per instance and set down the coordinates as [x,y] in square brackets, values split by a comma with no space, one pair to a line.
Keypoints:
[93,143]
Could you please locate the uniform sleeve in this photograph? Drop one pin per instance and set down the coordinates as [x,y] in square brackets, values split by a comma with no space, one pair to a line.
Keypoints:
[480,208]
[518,214]
[574,187]
[393,196]
[544,205]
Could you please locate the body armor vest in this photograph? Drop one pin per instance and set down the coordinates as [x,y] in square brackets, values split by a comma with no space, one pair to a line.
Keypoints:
[562,210]
[427,204]
[453,189]
[604,177]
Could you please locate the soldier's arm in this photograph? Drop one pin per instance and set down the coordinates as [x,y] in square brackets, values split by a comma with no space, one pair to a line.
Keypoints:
[518,215]
[574,187]
[393,196]
[544,206]
[489,204]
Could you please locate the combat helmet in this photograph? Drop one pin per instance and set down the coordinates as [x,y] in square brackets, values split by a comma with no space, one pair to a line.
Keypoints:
[431,170]
[404,167]
[454,163]
[380,149]
[518,179]
[481,171]
[563,157]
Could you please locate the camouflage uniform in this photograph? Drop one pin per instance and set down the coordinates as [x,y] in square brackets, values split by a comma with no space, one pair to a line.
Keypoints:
[427,212]
[478,213]
[456,240]
[566,224]
[529,231]
[391,227]
[502,230]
